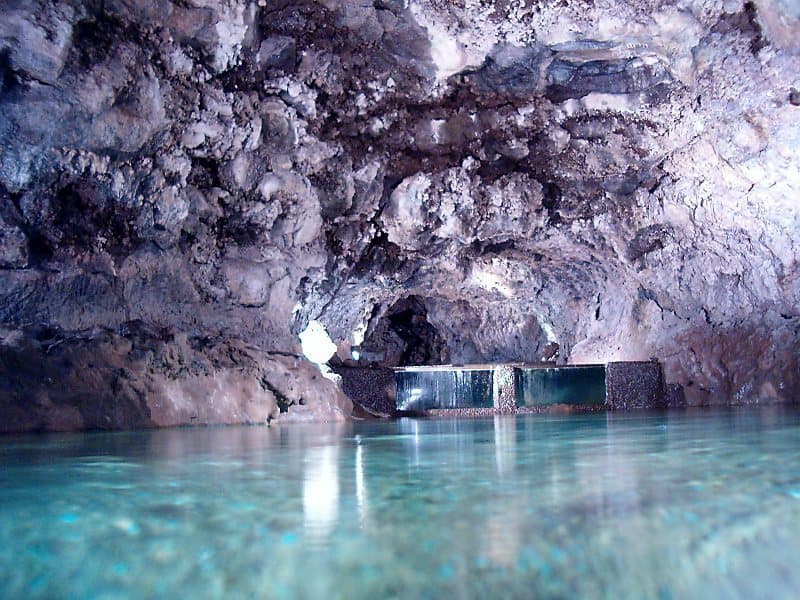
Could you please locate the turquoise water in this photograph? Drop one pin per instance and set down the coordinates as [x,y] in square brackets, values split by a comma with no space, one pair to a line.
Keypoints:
[451,388]
[639,505]
[566,385]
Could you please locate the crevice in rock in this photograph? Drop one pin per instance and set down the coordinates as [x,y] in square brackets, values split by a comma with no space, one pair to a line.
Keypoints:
[282,400]
[95,36]
[746,22]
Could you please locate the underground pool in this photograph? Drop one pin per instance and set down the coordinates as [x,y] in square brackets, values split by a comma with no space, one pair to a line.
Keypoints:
[671,504]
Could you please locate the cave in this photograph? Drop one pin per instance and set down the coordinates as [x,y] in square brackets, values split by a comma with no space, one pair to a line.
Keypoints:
[225,225]
[403,336]
[418,183]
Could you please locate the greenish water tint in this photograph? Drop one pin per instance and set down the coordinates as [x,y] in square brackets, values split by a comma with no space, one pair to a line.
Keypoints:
[639,505]
[585,386]
[447,388]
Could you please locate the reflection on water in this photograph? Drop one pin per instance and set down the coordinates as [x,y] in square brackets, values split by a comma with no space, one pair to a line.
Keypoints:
[503,522]
[505,443]
[321,489]
[640,505]
[361,485]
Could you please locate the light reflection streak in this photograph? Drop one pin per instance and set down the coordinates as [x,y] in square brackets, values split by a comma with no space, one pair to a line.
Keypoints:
[321,490]
[503,525]
[361,486]
[505,444]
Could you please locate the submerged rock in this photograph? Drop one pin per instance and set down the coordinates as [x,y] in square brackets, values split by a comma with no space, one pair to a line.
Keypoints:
[426,180]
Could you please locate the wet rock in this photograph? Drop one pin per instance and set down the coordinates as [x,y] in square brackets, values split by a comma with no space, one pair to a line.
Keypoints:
[674,396]
[57,381]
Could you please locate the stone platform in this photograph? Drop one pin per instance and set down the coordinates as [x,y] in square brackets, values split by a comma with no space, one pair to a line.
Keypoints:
[492,388]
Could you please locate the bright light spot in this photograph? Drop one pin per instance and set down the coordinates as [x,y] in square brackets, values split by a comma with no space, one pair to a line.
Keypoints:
[548,330]
[361,486]
[491,282]
[437,125]
[355,354]
[446,53]
[359,333]
[317,344]
[321,489]
[505,444]
[328,374]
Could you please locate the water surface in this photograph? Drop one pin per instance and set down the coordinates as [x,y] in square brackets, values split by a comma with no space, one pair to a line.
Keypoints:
[657,505]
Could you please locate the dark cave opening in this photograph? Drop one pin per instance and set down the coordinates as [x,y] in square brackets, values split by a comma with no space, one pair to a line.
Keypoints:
[404,336]
[408,318]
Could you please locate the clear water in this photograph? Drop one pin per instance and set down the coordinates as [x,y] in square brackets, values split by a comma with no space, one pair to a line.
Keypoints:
[566,385]
[678,505]
[448,388]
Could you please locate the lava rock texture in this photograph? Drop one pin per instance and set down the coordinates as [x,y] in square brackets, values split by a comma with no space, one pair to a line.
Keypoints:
[186,184]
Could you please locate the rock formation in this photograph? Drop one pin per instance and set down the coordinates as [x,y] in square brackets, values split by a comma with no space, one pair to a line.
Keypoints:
[186,185]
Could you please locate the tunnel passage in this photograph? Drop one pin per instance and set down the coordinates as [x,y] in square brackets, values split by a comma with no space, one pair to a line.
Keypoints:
[404,336]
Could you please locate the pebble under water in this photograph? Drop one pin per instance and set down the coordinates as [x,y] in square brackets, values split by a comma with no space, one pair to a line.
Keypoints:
[694,504]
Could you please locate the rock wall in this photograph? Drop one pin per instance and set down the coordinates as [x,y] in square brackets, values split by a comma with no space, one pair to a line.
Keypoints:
[141,378]
[472,180]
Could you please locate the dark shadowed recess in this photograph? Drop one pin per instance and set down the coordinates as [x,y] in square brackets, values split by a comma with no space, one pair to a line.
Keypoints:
[403,336]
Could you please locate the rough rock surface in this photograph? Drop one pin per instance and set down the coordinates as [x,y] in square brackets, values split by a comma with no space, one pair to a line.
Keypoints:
[103,380]
[430,180]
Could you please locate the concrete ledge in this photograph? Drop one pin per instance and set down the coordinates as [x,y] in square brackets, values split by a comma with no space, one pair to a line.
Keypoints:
[553,409]
[374,390]
[634,385]
[622,386]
